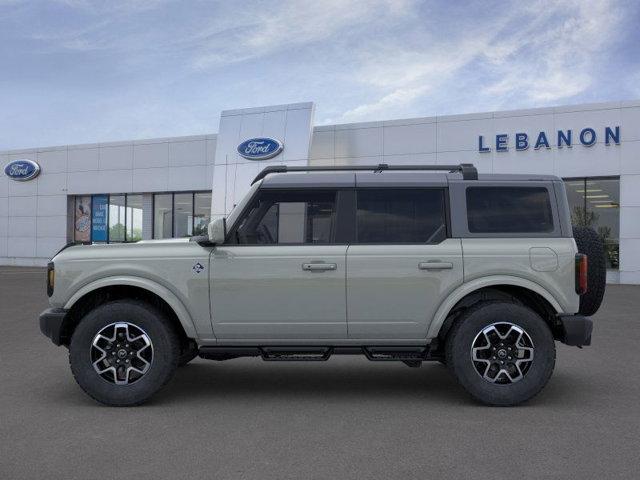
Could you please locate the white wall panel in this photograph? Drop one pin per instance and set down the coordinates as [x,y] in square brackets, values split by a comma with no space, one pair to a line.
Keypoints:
[83,159]
[596,119]
[297,135]
[103,181]
[630,191]
[630,222]
[46,247]
[482,161]
[581,161]
[4,206]
[358,142]
[52,226]
[117,157]
[463,135]
[211,150]
[151,155]
[150,180]
[219,190]
[630,156]
[21,207]
[322,145]
[419,138]
[411,159]
[630,124]
[52,161]
[21,246]
[22,189]
[188,153]
[51,205]
[273,125]
[52,183]
[188,178]
[22,227]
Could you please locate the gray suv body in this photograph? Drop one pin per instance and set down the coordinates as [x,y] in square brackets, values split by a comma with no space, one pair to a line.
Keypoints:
[479,272]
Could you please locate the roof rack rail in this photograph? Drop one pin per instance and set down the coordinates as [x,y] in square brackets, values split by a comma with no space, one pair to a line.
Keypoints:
[468,170]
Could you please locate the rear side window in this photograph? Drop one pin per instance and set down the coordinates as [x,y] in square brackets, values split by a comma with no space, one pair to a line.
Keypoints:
[509,210]
[400,216]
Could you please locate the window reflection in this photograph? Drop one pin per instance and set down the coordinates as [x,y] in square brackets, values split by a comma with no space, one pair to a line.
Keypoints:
[595,203]
[117,214]
[134,218]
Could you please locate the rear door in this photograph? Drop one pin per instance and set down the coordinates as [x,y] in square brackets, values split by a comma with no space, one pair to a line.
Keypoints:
[402,262]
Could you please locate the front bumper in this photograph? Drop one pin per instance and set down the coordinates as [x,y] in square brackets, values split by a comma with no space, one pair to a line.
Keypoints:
[51,324]
[575,330]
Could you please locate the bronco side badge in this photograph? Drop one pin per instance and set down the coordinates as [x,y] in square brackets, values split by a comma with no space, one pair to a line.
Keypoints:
[198,267]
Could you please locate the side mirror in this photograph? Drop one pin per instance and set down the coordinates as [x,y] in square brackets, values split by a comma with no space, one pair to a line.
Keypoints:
[217,231]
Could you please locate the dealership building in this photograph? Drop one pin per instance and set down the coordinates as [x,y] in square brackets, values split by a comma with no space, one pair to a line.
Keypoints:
[171,187]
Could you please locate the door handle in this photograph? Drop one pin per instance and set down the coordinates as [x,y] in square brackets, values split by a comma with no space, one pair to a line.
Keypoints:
[318,267]
[435,265]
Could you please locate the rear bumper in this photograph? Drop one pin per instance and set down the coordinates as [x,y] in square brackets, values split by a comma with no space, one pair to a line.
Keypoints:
[576,330]
[51,321]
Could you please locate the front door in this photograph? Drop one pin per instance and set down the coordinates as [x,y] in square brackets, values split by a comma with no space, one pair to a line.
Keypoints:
[280,274]
[401,264]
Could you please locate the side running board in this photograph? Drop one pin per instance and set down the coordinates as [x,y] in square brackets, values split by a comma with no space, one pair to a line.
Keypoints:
[411,354]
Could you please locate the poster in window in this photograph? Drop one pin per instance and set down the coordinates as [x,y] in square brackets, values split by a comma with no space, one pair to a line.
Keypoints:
[99,210]
[82,223]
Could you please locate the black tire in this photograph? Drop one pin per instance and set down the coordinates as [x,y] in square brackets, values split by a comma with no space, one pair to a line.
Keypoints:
[189,352]
[165,348]
[590,243]
[459,348]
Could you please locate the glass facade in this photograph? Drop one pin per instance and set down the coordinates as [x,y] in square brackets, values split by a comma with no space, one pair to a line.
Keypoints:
[595,203]
[181,214]
[119,218]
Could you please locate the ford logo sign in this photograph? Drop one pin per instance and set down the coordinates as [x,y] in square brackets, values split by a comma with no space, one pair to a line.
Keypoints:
[260,148]
[22,170]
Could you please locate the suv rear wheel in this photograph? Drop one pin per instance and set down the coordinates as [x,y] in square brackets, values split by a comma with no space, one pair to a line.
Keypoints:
[502,353]
[124,351]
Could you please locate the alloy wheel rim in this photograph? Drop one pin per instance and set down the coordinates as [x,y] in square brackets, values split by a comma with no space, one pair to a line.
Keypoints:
[502,353]
[121,353]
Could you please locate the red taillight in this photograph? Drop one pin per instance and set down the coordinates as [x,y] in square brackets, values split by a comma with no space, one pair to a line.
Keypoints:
[581,273]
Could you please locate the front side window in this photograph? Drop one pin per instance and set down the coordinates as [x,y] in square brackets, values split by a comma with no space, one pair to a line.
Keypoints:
[288,217]
[400,216]
[509,210]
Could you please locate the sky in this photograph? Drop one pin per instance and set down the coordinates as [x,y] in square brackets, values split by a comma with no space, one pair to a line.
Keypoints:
[80,71]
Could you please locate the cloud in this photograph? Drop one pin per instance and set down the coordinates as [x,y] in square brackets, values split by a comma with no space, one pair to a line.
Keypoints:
[288,24]
[542,52]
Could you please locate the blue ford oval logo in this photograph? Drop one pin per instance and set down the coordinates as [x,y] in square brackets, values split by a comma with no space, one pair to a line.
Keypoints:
[260,148]
[22,170]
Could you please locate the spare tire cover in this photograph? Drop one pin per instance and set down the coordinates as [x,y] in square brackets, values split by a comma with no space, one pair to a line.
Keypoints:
[590,243]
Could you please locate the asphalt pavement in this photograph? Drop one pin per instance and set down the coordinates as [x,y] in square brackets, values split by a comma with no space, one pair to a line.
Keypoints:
[347,418]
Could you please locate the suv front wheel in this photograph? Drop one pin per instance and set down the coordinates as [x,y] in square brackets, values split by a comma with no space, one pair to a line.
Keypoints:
[124,351]
[502,353]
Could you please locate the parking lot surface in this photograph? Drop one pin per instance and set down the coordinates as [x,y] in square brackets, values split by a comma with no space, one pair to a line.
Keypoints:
[347,418]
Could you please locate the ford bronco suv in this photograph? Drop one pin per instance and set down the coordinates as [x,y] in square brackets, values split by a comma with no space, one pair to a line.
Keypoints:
[482,273]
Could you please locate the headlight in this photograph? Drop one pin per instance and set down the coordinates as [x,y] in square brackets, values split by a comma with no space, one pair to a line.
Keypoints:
[51,278]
